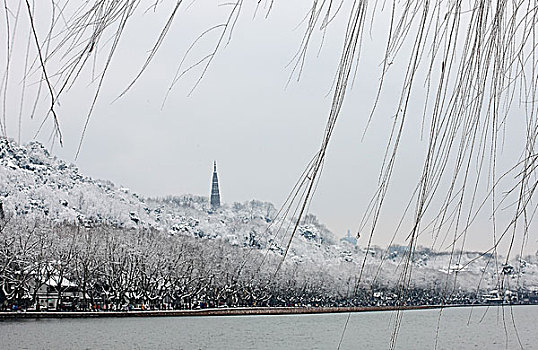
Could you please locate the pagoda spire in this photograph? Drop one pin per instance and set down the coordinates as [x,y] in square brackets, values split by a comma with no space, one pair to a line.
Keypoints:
[215,194]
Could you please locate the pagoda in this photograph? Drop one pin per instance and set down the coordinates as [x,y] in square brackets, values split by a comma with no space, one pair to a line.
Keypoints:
[215,195]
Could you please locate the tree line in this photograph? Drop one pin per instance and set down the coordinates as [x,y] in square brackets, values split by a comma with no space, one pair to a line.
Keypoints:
[111,268]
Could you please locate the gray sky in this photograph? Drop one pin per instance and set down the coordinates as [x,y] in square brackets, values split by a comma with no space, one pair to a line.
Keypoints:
[261,133]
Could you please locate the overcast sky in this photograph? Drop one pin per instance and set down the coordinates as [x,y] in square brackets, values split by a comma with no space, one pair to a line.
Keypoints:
[261,131]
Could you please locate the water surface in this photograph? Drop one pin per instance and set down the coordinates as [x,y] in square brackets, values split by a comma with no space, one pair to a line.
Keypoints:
[459,328]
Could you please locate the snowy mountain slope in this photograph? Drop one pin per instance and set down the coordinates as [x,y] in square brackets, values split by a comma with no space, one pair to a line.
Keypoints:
[35,184]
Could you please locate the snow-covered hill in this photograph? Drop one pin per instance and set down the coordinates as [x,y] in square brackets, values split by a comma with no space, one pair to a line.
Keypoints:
[35,184]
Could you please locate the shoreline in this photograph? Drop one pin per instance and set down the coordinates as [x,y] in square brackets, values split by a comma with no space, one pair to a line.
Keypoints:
[246,311]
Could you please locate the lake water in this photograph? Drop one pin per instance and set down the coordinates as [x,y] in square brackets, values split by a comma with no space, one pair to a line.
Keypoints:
[460,328]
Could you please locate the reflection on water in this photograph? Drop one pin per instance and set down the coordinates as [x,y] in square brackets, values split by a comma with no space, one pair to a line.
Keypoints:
[459,328]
